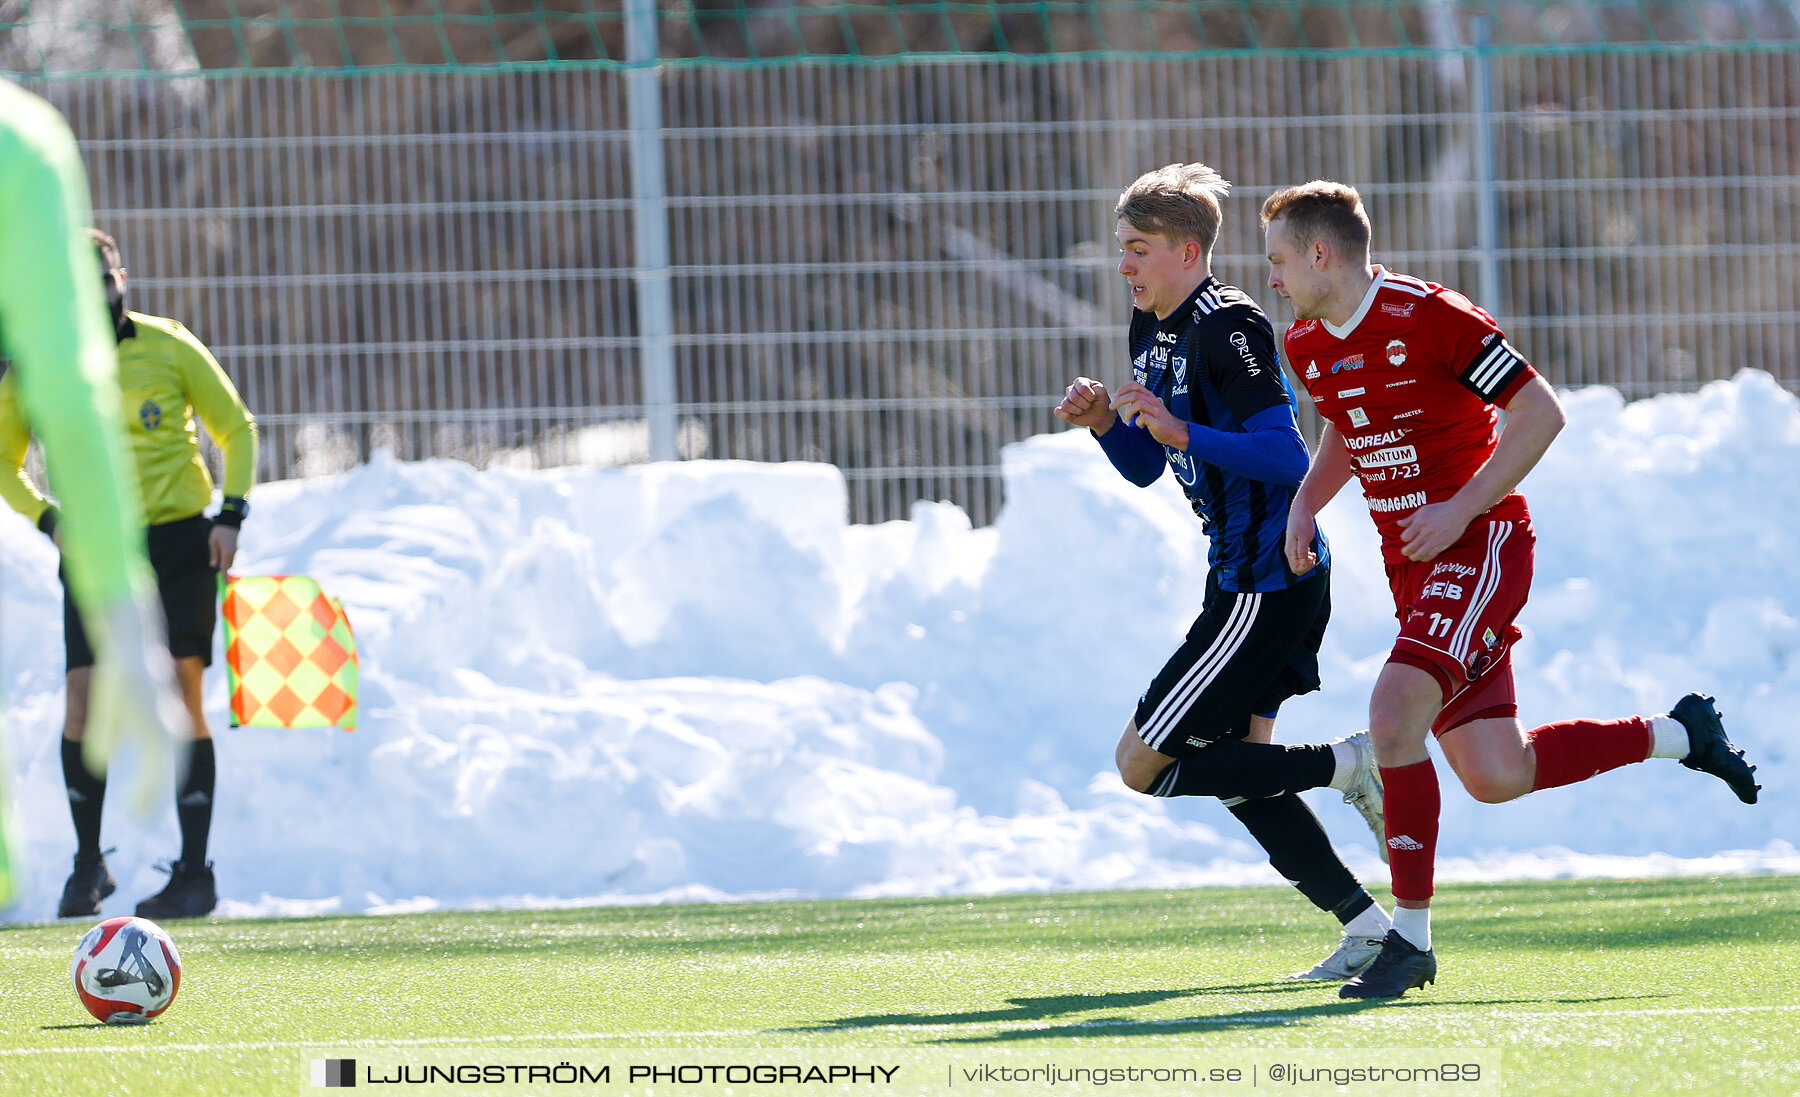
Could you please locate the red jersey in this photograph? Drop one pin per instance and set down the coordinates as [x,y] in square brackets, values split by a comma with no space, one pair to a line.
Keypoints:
[1412,382]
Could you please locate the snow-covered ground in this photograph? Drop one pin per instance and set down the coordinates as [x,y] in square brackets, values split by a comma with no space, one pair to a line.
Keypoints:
[696,680]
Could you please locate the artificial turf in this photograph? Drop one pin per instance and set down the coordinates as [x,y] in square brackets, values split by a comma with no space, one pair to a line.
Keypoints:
[1617,987]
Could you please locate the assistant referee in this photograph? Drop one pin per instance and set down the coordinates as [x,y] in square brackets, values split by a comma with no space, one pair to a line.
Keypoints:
[167,378]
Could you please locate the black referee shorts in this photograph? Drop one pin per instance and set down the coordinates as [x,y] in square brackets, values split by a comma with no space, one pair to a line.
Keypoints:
[1246,653]
[187,582]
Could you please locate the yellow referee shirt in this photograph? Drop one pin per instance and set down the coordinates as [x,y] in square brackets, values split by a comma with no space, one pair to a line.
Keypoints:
[167,378]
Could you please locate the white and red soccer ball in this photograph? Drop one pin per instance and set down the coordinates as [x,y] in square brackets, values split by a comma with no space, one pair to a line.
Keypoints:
[126,970]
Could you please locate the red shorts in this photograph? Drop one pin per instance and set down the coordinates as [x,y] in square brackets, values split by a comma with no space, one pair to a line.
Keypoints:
[1456,618]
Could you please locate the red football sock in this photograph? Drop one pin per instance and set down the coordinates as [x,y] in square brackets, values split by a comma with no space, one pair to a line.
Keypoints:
[1575,750]
[1411,807]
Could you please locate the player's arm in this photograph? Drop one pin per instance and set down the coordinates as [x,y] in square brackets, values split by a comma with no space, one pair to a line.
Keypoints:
[1331,470]
[1269,448]
[221,410]
[55,325]
[1534,417]
[1240,362]
[1130,448]
[15,439]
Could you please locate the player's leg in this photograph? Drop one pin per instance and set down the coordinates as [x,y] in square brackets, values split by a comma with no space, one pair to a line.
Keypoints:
[1298,848]
[1406,700]
[194,799]
[1402,707]
[1492,758]
[1498,760]
[189,588]
[1291,834]
[90,881]
[1245,654]
[1569,751]
[1455,614]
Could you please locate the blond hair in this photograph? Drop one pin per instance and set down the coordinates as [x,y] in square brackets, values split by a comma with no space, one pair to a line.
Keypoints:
[1180,201]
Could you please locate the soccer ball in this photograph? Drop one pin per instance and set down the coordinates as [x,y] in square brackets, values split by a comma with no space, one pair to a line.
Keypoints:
[126,970]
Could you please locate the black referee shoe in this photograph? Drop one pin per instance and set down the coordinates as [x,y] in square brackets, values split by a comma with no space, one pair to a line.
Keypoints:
[190,894]
[87,885]
[1398,969]
[1709,751]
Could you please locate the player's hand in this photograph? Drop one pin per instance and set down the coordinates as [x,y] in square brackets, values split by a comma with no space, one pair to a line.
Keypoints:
[1085,404]
[1431,529]
[135,713]
[221,547]
[1139,406]
[1298,545]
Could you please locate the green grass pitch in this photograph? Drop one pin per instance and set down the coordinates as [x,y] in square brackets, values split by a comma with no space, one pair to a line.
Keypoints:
[1638,988]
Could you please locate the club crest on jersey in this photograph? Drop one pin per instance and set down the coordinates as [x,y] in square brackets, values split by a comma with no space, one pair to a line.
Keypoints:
[1355,361]
[1179,365]
[1312,371]
[150,414]
[1396,352]
[1358,417]
[1478,662]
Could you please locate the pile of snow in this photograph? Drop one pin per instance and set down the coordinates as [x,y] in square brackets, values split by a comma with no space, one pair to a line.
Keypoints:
[697,680]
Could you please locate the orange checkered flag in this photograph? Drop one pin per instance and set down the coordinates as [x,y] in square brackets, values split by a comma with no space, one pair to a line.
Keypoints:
[289,654]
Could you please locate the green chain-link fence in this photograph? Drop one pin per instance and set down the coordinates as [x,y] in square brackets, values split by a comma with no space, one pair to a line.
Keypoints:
[882,232]
[231,35]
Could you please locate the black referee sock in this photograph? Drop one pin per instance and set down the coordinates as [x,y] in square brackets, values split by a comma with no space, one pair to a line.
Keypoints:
[194,804]
[87,795]
[1298,849]
[1232,767]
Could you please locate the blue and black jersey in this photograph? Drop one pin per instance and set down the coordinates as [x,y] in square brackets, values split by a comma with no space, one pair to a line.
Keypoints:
[1213,363]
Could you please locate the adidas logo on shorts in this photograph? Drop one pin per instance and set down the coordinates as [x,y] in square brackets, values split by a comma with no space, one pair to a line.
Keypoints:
[1404,841]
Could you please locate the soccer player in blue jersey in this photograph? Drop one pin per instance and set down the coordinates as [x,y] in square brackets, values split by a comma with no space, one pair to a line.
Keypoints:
[1208,400]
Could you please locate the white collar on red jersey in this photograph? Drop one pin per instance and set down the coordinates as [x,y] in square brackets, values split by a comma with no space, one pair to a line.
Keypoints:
[1362,310]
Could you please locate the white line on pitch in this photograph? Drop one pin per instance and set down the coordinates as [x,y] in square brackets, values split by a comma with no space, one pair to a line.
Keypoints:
[548,1040]
[551,1040]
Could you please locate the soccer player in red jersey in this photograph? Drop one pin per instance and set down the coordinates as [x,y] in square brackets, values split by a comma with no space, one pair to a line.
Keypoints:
[1409,377]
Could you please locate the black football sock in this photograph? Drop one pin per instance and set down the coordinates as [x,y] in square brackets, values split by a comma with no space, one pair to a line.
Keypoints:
[1232,767]
[1298,849]
[87,795]
[194,804]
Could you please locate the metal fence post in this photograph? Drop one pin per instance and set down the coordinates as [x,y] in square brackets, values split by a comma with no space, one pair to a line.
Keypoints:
[650,219]
[1487,198]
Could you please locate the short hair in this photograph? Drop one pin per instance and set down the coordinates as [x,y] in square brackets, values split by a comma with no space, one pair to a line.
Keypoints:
[1322,210]
[1180,200]
[110,258]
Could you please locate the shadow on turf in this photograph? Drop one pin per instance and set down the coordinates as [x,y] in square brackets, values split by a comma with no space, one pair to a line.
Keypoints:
[1038,1009]
[1027,1010]
[1263,1018]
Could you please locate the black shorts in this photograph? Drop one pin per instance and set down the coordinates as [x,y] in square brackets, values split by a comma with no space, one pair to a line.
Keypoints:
[189,586]
[1246,653]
